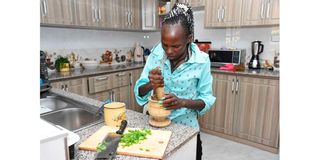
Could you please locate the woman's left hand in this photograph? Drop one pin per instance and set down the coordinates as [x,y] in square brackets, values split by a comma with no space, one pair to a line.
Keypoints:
[171,101]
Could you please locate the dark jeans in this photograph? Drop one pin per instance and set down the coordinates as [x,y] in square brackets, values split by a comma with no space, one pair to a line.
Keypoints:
[199,147]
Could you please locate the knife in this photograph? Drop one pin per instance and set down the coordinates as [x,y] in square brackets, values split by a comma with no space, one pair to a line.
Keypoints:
[113,140]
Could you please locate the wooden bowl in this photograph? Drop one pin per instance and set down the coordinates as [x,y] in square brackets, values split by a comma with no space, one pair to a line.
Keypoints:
[158,115]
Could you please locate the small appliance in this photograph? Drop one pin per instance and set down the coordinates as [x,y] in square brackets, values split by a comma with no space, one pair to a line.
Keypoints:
[44,77]
[221,57]
[256,49]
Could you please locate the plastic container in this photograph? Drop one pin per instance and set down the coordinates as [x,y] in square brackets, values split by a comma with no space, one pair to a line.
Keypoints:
[114,113]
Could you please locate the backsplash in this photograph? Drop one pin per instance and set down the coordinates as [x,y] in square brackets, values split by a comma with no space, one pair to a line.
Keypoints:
[94,54]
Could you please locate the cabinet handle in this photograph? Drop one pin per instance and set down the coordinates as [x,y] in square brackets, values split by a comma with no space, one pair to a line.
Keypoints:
[262,11]
[232,87]
[113,97]
[218,16]
[237,86]
[101,78]
[62,87]
[131,80]
[94,15]
[268,9]
[223,12]
[45,7]
[99,15]
[66,88]
[120,74]
[128,18]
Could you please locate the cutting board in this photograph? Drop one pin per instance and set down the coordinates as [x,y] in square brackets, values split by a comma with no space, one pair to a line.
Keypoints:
[153,147]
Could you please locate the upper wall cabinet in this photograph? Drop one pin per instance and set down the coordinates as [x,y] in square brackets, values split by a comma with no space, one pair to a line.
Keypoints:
[56,12]
[97,13]
[129,14]
[194,3]
[260,12]
[222,13]
[149,14]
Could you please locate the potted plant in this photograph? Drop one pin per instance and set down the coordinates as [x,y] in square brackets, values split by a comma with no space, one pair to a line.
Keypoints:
[62,64]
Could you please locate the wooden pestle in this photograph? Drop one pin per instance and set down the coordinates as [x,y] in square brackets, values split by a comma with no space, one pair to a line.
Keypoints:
[159,91]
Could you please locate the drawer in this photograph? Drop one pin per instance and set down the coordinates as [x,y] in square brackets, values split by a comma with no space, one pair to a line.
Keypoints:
[99,83]
[120,79]
[76,82]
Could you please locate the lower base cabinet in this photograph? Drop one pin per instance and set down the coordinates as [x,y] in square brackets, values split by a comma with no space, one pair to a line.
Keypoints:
[245,108]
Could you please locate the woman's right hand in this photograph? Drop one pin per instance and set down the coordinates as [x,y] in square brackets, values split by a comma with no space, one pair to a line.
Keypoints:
[155,78]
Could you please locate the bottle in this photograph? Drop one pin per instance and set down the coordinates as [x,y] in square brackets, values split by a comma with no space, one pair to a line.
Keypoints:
[138,53]
[168,7]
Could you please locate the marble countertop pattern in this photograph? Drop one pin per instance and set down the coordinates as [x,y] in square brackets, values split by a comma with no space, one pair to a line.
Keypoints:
[180,134]
[77,73]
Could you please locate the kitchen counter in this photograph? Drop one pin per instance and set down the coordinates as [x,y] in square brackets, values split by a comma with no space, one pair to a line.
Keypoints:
[259,73]
[77,73]
[180,134]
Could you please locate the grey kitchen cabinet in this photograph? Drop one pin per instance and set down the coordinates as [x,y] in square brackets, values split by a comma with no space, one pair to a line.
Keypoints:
[113,87]
[246,110]
[260,12]
[130,16]
[149,14]
[194,3]
[222,13]
[57,12]
[77,86]
[220,118]
[257,110]
[96,13]
[135,75]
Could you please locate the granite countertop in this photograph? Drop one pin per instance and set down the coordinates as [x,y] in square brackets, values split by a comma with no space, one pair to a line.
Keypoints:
[180,133]
[77,73]
[260,73]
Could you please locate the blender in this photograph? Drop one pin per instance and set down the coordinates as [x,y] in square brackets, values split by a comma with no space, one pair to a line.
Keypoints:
[256,49]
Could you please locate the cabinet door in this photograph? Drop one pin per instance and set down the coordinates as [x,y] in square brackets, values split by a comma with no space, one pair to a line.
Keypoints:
[101,96]
[253,12]
[272,12]
[56,12]
[78,86]
[212,13]
[104,12]
[231,12]
[86,12]
[223,13]
[257,110]
[122,94]
[149,14]
[135,14]
[220,117]
[135,75]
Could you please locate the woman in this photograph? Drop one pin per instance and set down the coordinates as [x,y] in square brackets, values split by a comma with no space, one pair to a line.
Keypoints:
[185,71]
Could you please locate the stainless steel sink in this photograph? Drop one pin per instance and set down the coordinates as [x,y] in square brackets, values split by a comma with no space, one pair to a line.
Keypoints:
[68,113]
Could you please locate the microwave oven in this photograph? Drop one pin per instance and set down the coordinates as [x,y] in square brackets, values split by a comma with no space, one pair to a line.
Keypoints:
[221,57]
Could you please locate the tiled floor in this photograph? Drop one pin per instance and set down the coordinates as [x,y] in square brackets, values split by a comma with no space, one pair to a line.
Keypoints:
[216,148]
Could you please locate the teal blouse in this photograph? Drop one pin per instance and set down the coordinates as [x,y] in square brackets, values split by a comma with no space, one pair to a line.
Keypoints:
[191,80]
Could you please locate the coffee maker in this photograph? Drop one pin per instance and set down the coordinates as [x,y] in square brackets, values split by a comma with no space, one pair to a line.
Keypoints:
[256,49]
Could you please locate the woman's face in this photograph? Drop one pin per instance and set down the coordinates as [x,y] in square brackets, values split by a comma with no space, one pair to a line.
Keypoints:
[174,41]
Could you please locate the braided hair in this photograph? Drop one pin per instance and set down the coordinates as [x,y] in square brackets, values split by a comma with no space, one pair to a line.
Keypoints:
[180,13]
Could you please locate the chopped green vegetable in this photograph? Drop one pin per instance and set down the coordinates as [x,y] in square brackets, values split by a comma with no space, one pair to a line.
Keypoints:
[102,146]
[134,137]
[147,150]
